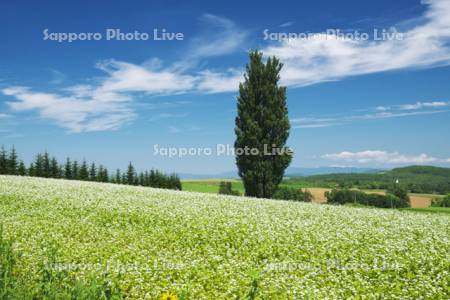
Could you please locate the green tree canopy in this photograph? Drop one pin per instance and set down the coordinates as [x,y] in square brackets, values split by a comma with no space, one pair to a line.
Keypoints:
[262,126]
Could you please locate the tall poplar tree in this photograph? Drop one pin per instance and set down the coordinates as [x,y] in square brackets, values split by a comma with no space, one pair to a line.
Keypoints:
[262,125]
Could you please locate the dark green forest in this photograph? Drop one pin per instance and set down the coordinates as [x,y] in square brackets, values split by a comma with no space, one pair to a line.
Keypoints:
[47,166]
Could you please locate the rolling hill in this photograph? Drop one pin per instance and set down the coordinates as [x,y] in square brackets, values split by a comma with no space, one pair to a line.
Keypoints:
[204,246]
[417,179]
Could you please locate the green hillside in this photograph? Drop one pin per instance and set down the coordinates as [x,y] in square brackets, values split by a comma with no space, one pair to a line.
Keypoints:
[417,179]
[202,246]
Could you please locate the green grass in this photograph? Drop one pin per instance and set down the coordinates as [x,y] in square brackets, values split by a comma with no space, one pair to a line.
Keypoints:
[441,210]
[210,185]
[205,246]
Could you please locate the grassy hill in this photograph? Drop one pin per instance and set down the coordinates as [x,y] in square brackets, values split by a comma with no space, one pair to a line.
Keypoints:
[207,246]
[417,179]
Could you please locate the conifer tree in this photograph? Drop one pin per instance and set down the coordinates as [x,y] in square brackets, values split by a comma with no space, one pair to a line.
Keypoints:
[93,172]
[102,174]
[146,178]
[39,166]
[118,176]
[55,171]
[130,174]
[46,165]
[32,170]
[3,161]
[152,179]
[22,170]
[84,172]
[141,179]
[262,124]
[68,169]
[75,170]
[12,162]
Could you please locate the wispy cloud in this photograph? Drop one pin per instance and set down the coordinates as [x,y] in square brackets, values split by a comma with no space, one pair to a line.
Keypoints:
[173,129]
[415,106]
[327,58]
[379,112]
[57,76]
[419,105]
[287,24]
[77,114]
[220,36]
[169,116]
[108,103]
[217,82]
[4,116]
[381,157]
[127,78]
[223,37]
[182,128]
[316,125]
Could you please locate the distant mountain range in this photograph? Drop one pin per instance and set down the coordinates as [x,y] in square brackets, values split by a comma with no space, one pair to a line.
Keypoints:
[290,172]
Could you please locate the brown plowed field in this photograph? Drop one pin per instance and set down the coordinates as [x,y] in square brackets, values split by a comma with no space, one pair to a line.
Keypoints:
[417,201]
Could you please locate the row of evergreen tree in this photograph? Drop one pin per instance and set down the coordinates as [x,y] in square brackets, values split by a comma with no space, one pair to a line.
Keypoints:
[49,167]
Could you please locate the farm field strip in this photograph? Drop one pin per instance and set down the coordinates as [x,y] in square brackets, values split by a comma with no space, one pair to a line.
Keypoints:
[212,186]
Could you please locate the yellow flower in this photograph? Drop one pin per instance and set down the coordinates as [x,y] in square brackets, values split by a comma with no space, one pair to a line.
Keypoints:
[168,296]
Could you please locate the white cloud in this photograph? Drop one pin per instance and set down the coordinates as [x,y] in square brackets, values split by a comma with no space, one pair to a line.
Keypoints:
[326,58]
[287,24]
[4,116]
[223,37]
[316,125]
[125,77]
[380,112]
[71,112]
[214,82]
[107,103]
[380,157]
[169,116]
[419,105]
[173,129]
[182,128]
[57,76]
[220,36]
[382,108]
[315,122]
[385,115]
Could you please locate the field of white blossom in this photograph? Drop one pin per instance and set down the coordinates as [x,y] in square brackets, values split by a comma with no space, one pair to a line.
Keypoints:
[210,246]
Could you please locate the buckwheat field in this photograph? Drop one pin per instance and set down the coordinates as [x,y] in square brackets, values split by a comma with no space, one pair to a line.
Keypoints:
[196,246]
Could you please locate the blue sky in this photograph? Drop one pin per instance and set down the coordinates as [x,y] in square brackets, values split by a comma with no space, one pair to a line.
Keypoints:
[352,102]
